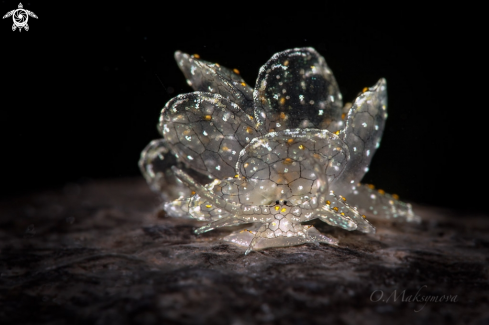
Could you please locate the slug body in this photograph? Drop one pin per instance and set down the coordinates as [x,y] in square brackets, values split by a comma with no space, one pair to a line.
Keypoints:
[271,157]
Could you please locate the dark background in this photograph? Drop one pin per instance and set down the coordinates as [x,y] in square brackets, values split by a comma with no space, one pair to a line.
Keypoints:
[82,89]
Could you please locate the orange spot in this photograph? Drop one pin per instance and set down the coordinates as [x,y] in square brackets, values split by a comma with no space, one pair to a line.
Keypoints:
[248,129]
[236,176]
[196,56]
[395,196]
[192,193]
[343,116]
[290,141]
[365,89]
[286,63]
[381,192]
[337,132]
[371,186]
[288,161]
[336,209]
[342,213]
[271,130]
[243,84]
[217,65]
[282,115]
[282,101]
[343,198]
[207,117]
[364,217]
[246,165]
[301,147]
[328,202]
[236,71]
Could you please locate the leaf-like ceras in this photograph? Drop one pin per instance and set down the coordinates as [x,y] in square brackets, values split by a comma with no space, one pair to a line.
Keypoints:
[296,88]
[207,132]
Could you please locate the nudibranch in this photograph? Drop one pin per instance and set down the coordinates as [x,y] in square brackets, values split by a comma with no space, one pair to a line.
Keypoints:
[272,157]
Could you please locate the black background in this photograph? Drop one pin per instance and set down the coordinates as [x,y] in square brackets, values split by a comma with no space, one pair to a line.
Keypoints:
[82,89]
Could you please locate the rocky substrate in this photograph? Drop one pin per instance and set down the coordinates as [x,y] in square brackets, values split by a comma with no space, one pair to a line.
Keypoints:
[100,253]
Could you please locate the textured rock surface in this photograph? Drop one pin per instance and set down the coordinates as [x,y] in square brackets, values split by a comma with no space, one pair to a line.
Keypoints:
[100,254]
